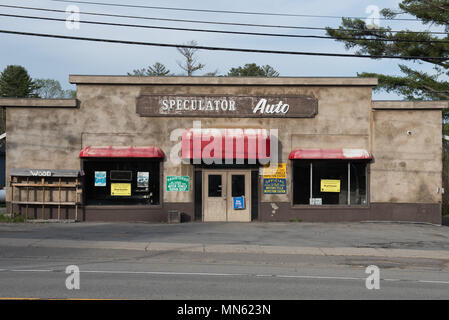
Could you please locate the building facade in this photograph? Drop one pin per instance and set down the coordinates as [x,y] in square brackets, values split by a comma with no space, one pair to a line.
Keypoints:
[224,149]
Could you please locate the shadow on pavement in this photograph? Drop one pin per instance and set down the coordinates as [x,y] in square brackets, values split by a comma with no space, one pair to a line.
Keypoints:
[445,221]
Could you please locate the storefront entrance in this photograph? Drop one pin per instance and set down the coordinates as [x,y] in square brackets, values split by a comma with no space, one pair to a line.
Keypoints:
[227,195]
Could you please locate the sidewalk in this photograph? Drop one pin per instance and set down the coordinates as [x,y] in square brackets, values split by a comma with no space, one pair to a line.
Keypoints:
[389,240]
[229,248]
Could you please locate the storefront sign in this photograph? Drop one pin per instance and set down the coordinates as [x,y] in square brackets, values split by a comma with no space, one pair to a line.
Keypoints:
[178,183]
[100,178]
[330,185]
[239,203]
[120,189]
[300,106]
[40,173]
[274,186]
[279,172]
[142,179]
[61,173]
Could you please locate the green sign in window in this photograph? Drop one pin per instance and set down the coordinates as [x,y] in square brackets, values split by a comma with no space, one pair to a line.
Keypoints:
[178,183]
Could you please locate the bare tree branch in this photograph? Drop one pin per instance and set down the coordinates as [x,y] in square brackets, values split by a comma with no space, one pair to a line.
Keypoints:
[191,63]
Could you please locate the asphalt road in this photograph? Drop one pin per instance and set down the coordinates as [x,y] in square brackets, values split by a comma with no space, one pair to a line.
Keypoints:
[123,274]
[101,284]
[39,272]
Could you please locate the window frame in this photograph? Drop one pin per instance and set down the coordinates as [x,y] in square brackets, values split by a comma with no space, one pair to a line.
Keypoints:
[118,206]
[333,206]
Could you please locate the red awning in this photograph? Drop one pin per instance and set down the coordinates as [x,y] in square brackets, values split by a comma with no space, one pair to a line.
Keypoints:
[121,152]
[225,144]
[356,154]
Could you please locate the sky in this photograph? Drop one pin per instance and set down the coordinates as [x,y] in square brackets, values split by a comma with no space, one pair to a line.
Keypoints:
[57,58]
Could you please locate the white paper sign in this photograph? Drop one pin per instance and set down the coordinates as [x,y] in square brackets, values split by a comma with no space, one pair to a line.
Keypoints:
[100,178]
[142,179]
[316,201]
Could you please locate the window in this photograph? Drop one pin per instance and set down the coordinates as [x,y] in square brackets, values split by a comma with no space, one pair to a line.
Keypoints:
[358,183]
[334,174]
[122,181]
[214,185]
[301,182]
[329,182]
[238,185]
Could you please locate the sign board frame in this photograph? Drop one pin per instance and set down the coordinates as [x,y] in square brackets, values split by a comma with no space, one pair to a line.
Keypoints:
[121,189]
[330,185]
[280,173]
[238,203]
[286,106]
[274,186]
[173,183]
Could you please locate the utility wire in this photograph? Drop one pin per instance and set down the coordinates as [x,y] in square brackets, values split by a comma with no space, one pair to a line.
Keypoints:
[223,31]
[202,21]
[222,11]
[222,48]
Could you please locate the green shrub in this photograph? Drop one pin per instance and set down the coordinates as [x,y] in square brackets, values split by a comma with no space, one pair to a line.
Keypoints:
[17,219]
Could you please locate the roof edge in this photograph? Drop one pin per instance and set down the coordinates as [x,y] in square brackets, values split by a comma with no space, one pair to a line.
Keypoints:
[410,105]
[38,103]
[200,80]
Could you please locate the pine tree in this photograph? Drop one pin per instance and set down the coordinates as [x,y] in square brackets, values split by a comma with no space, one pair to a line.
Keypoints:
[415,84]
[15,82]
[253,70]
[156,70]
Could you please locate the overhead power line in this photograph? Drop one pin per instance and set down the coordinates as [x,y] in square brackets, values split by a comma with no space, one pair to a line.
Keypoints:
[222,11]
[283,52]
[201,21]
[224,31]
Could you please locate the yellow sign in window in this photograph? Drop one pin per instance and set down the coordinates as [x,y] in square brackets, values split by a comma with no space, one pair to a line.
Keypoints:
[120,189]
[330,185]
[278,172]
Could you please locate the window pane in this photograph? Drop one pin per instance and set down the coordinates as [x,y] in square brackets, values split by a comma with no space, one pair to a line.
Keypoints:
[330,170]
[238,185]
[121,175]
[301,182]
[142,176]
[358,183]
[214,185]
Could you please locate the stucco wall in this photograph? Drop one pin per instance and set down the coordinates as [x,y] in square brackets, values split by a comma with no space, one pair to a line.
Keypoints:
[43,138]
[52,138]
[407,150]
